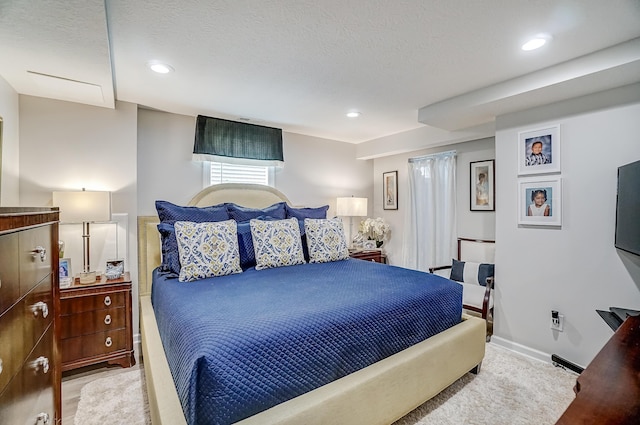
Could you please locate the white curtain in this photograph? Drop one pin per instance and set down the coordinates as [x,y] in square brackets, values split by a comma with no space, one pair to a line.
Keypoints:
[430,230]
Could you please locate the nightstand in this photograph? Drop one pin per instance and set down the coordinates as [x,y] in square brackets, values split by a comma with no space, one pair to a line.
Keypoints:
[95,323]
[369,255]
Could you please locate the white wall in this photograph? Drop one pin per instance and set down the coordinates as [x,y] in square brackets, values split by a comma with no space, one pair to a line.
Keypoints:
[574,269]
[9,149]
[316,170]
[471,224]
[68,146]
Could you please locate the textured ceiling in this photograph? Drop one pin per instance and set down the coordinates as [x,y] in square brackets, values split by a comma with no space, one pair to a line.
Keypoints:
[301,65]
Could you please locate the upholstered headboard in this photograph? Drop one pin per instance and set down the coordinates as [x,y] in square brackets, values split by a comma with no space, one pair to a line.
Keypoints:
[248,195]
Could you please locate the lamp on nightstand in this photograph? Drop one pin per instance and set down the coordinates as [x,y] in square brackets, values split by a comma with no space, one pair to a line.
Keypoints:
[84,207]
[351,207]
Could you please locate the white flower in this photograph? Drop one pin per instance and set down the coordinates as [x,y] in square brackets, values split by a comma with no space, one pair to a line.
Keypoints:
[375,228]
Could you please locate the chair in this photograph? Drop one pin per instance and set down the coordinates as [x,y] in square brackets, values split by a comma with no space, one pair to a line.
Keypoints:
[475,260]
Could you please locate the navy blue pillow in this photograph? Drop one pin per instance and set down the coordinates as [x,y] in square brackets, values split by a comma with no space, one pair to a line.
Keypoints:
[170,255]
[302,213]
[245,246]
[240,214]
[475,273]
[170,213]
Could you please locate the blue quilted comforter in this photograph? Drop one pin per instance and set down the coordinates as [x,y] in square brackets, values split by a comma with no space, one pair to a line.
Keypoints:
[240,344]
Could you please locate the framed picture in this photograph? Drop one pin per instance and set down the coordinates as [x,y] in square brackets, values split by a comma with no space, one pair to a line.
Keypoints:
[390,190]
[482,185]
[65,275]
[369,244]
[540,201]
[114,269]
[539,151]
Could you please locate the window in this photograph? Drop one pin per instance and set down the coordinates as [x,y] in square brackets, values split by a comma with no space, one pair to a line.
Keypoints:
[236,173]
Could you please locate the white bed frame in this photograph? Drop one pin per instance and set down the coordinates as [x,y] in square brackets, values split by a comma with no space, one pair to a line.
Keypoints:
[379,394]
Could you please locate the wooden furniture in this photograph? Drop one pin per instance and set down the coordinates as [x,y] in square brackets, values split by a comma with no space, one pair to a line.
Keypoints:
[378,394]
[475,297]
[372,255]
[30,378]
[608,391]
[95,323]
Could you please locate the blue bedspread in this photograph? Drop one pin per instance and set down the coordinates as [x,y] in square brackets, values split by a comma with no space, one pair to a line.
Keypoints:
[239,344]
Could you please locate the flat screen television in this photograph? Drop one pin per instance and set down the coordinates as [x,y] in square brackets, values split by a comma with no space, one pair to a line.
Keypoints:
[628,208]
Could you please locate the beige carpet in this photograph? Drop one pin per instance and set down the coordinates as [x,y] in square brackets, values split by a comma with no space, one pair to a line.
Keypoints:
[116,400]
[510,390]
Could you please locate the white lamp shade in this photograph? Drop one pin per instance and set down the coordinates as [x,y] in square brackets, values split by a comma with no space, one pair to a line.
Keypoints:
[351,207]
[83,206]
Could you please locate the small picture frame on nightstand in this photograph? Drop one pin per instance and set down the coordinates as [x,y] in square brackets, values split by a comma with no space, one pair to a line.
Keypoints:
[369,244]
[65,276]
[114,269]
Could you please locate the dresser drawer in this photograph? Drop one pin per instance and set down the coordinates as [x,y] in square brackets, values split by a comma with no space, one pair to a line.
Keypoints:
[30,392]
[9,271]
[22,326]
[91,302]
[94,321]
[35,256]
[97,344]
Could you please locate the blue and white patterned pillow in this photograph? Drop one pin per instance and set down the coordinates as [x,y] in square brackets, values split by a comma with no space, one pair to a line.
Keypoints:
[207,249]
[326,240]
[276,243]
[470,272]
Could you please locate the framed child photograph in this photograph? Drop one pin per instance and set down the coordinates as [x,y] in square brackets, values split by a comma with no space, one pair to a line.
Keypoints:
[482,185]
[65,276]
[540,201]
[539,151]
[114,269]
[390,190]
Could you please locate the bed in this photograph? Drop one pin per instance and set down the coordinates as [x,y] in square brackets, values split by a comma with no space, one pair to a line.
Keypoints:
[379,393]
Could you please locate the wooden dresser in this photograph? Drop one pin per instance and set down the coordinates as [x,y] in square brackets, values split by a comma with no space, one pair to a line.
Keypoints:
[369,255]
[95,323]
[608,391]
[30,375]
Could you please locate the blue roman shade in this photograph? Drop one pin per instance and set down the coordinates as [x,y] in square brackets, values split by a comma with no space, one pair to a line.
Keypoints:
[235,142]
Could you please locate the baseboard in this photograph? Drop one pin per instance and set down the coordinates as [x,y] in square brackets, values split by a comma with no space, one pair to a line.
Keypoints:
[521,349]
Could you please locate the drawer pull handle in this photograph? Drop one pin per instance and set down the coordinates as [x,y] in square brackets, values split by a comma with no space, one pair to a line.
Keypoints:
[44,417]
[0,283]
[0,366]
[38,307]
[108,342]
[107,319]
[107,300]
[41,363]
[41,251]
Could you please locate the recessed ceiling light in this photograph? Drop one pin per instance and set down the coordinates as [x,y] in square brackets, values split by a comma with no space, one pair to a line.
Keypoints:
[536,42]
[353,114]
[160,68]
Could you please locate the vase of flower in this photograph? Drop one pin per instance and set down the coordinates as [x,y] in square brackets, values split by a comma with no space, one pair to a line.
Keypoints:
[375,229]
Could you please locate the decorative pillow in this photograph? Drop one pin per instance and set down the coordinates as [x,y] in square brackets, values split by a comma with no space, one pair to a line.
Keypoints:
[245,246]
[170,213]
[239,213]
[302,213]
[276,243]
[170,256]
[207,249]
[469,272]
[326,240]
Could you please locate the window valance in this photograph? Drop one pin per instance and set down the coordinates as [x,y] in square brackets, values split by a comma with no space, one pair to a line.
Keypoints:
[230,141]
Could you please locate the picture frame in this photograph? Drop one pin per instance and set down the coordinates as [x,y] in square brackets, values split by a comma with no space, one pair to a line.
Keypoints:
[65,274]
[538,196]
[482,188]
[114,269]
[369,244]
[539,151]
[390,190]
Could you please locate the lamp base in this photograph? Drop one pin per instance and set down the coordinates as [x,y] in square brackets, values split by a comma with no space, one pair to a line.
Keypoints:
[87,277]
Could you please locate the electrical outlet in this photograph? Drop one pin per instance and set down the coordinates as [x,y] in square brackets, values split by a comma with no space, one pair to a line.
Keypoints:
[557,321]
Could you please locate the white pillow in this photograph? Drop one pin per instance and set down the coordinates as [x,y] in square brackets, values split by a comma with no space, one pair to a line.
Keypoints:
[276,243]
[325,240]
[207,249]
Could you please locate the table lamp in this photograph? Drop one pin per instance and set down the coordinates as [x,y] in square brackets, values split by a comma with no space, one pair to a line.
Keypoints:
[351,207]
[84,207]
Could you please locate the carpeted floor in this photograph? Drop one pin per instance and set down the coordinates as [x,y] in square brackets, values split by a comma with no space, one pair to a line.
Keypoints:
[511,389]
